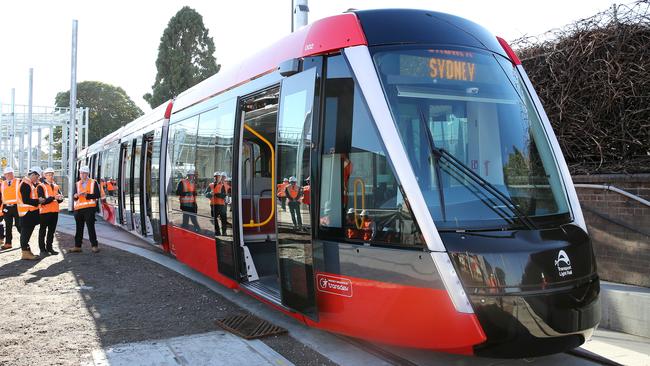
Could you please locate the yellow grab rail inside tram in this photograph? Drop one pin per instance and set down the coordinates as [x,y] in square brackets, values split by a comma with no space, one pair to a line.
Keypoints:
[252,223]
[357,182]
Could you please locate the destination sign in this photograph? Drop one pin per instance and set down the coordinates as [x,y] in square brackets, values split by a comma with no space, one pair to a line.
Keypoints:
[452,69]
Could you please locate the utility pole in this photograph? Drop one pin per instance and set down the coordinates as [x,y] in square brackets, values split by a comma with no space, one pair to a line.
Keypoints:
[299,13]
[73,118]
[29,118]
[12,134]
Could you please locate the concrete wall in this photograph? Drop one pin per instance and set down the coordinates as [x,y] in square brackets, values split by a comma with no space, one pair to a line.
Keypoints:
[619,227]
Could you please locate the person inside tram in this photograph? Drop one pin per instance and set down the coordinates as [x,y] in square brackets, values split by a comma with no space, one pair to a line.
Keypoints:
[293,193]
[186,192]
[368,226]
[110,186]
[217,193]
[282,194]
[351,231]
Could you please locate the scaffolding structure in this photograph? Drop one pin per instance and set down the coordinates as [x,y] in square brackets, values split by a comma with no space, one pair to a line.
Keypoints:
[19,122]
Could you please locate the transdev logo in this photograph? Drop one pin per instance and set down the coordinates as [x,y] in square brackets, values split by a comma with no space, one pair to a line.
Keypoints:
[334,285]
[563,264]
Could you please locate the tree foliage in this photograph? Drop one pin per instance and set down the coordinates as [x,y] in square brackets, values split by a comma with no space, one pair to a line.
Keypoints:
[185,57]
[109,108]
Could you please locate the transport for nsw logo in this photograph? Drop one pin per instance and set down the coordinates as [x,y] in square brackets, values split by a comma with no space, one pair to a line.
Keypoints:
[563,264]
[334,285]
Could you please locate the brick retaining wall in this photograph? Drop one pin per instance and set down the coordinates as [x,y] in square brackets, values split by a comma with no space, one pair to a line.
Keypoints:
[619,226]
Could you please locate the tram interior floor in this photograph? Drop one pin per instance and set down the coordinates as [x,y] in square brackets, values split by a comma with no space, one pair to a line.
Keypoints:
[265,258]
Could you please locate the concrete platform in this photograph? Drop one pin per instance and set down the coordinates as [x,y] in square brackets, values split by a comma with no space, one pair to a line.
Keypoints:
[214,348]
[625,308]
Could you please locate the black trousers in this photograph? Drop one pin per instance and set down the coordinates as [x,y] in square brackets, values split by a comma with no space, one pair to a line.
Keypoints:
[220,214]
[47,228]
[296,217]
[27,225]
[11,215]
[189,217]
[85,216]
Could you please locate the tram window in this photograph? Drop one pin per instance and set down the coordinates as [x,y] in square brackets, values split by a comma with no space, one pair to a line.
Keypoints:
[213,150]
[360,198]
[182,152]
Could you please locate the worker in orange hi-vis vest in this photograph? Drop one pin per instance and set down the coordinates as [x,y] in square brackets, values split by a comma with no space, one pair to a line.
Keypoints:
[9,191]
[217,192]
[28,206]
[282,193]
[186,192]
[368,226]
[2,225]
[49,212]
[86,194]
[293,193]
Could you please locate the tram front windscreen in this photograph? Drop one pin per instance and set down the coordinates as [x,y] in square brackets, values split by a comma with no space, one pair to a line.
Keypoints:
[473,137]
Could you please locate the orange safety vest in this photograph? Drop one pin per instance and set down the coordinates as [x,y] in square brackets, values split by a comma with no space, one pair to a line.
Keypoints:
[109,186]
[24,208]
[216,189]
[294,191]
[366,227]
[50,190]
[10,193]
[187,196]
[82,201]
[281,187]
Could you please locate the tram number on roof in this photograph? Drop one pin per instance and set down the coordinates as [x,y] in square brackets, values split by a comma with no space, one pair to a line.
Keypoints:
[451,69]
[334,285]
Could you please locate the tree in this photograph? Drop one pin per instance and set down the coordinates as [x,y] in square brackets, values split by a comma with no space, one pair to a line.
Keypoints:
[185,57]
[109,109]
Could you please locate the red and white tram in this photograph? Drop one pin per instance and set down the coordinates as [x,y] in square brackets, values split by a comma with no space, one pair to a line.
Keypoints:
[430,204]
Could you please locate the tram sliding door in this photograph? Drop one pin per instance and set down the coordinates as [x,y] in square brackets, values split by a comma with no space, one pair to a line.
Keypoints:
[294,141]
[137,184]
[126,184]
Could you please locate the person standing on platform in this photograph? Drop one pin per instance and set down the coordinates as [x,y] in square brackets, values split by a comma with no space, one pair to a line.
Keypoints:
[9,189]
[49,212]
[293,192]
[86,194]
[186,192]
[28,206]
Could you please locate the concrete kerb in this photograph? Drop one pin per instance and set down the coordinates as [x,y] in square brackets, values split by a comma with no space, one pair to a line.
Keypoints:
[625,308]
[328,345]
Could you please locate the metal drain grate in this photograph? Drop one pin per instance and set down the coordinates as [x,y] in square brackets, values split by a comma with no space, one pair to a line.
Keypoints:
[249,326]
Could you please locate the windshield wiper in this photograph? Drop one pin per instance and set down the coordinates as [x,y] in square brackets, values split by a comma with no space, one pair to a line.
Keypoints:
[440,153]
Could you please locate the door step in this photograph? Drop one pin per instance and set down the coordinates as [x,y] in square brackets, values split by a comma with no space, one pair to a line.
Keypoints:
[270,294]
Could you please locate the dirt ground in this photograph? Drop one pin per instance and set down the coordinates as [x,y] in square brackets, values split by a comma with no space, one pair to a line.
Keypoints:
[58,309]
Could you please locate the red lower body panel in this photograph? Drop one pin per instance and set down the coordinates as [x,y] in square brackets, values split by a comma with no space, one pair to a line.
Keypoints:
[395,314]
[198,252]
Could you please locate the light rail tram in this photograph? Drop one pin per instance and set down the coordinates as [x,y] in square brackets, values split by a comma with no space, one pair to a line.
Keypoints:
[429,204]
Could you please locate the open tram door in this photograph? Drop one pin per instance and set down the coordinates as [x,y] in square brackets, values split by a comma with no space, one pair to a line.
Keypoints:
[274,255]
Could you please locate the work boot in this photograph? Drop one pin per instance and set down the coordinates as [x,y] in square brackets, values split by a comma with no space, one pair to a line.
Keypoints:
[51,250]
[28,256]
[6,246]
[74,250]
[95,249]
[43,252]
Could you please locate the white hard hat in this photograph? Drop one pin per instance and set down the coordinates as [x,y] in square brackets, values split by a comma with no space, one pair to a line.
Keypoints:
[285,180]
[8,170]
[35,169]
[48,170]
[224,174]
[364,213]
[292,179]
[84,169]
[351,211]
[217,174]
[191,172]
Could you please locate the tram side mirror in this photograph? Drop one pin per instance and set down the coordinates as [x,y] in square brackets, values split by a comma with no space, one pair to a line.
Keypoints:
[289,67]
